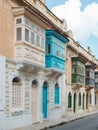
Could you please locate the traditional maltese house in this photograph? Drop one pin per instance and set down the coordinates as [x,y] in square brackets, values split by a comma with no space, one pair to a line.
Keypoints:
[32,63]
[81,79]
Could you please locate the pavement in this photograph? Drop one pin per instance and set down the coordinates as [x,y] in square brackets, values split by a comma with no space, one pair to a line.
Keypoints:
[52,123]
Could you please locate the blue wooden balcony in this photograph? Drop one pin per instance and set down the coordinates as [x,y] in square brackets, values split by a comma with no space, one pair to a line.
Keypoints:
[55,51]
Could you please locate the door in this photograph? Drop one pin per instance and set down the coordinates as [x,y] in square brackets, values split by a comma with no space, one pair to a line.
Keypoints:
[74,103]
[87,101]
[83,100]
[44,102]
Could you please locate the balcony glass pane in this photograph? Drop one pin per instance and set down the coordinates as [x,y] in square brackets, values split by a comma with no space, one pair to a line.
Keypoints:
[90,82]
[18,34]
[19,20]
[37,40]
[32,37]
[96,85]
[26,35]
[42,43]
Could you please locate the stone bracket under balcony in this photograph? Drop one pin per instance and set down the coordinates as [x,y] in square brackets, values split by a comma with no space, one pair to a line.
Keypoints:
[20,66]
[76,86]
[53,72]
[89,87]
[27,66]
[96,90]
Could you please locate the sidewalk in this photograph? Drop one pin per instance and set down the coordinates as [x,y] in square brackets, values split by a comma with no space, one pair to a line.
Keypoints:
[53,123]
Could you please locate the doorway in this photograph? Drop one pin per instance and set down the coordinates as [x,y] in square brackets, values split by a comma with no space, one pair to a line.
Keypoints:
[74,103]
[45,100]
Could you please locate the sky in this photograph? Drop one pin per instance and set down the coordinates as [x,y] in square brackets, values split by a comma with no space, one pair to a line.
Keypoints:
[82,19]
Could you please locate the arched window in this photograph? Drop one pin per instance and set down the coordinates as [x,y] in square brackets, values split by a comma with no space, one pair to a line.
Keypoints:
[79,99]
[57,94]
[16,93]
[90,98]
[69,100]
[34,83]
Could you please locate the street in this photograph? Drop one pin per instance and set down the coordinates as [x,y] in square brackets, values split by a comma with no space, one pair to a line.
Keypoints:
[87,123]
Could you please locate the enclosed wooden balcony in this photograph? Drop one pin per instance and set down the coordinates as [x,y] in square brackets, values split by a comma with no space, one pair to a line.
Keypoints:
[96,81]
[29,53]
[78,69]
[55,52]
[29,42]
[90,77]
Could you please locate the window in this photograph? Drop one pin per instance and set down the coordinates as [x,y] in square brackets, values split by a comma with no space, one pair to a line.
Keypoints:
[18,21]
[32,26]
[90,98]
[37,40]
[48,48]
[32,37]
[79,99]
[26,35]
[57,93]
[18,34]
[42,43]
[33,34]
[16,93]
[26,21]
[95,100]
[69,100]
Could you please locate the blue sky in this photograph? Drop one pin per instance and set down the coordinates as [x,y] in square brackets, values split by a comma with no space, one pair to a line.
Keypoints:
[82,20]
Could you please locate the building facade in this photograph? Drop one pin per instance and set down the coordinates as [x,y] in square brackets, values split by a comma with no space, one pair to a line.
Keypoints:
[81,74]
[44,73]
[33,49]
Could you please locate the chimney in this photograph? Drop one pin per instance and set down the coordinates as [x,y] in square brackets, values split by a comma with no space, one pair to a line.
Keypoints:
[89,50]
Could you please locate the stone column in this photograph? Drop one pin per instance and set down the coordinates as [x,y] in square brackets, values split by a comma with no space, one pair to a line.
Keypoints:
[64,91]
[40,85]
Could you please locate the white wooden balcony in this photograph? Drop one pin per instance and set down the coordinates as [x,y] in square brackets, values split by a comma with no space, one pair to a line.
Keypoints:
[29,53]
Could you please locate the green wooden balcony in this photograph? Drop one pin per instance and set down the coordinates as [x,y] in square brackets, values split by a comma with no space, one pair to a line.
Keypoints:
[78,72]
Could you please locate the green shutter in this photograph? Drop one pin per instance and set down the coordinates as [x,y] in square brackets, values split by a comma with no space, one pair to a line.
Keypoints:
[79,99]
[57,94]
[69,100]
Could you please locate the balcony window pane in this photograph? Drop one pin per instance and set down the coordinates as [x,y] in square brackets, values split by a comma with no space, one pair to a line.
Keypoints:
[26,21]
[18,34]
[37,40]
[32,26]
[42,43]
[18,21]
[26,35]
[32,37]
[48,48]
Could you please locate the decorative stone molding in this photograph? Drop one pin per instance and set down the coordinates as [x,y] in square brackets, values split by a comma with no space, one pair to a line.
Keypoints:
[17,113]
[19,66]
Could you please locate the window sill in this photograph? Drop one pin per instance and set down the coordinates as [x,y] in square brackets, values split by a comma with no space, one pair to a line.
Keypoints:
[69,109]
[79,107]
[57,106]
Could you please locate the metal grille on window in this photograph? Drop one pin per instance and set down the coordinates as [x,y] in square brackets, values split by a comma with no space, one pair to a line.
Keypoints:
[16,95]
